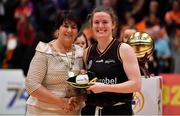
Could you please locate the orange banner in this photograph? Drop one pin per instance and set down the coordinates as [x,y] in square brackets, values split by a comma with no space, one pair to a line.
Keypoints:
[171,94]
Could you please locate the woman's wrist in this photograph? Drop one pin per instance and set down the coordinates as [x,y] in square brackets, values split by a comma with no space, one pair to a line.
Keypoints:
[62,102]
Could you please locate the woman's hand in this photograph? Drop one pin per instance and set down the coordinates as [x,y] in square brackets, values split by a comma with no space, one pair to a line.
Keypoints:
[71,103]
[82,71]
[96,87]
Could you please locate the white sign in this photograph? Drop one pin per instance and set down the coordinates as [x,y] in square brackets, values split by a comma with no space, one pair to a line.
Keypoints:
[149,100]
[13,95]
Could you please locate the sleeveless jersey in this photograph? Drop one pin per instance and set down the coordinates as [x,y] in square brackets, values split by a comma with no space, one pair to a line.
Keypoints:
[108,68]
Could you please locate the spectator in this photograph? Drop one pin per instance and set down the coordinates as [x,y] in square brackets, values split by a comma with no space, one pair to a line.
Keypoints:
[81,40]
[3,43]
[163,50]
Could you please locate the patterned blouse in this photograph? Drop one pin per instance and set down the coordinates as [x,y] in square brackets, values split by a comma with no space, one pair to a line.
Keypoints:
[49,68]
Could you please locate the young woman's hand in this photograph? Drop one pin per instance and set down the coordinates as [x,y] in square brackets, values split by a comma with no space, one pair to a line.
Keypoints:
[96,87]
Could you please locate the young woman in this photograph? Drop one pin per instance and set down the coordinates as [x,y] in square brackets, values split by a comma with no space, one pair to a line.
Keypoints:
[52,65]
[115,65]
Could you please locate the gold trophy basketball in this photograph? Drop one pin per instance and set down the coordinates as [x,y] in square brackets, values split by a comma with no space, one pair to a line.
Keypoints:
[143,46]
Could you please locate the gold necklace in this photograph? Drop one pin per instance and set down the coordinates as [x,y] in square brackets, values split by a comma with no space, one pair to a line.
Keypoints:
[69,63]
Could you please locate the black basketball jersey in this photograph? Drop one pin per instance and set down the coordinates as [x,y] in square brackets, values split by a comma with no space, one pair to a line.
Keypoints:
[108,68]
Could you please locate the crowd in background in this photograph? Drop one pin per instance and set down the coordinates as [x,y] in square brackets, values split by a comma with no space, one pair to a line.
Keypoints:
[23,23]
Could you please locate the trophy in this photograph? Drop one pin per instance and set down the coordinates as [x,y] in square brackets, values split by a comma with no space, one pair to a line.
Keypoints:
[143,45]
[82,80]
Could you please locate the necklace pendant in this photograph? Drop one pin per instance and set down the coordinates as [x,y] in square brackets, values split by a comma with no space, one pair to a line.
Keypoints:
[71,74]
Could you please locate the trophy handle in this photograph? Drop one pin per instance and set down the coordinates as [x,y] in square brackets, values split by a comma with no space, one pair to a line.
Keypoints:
[142,66]
[145,71]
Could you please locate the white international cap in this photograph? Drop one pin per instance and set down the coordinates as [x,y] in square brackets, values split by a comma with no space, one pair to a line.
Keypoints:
[82,79]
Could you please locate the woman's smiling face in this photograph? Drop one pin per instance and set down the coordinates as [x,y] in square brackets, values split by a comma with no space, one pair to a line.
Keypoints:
[102,25]
[68,32]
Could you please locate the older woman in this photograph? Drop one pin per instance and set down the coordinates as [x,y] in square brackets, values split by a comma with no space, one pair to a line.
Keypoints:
[52,64]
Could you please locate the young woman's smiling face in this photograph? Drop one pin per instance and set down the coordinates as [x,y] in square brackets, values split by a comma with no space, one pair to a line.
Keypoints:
[102,25]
